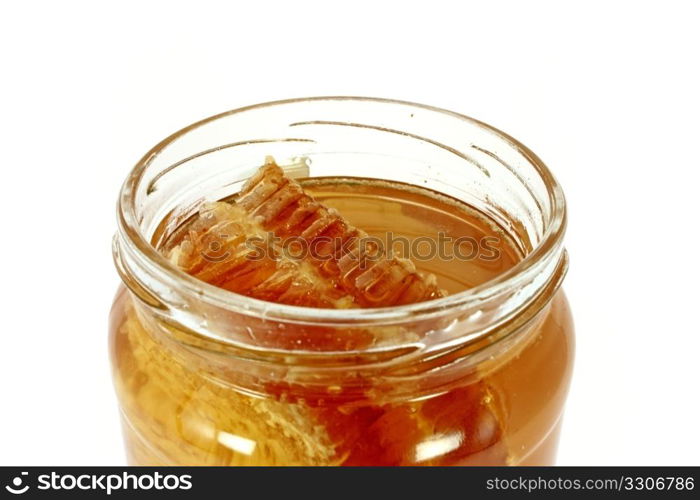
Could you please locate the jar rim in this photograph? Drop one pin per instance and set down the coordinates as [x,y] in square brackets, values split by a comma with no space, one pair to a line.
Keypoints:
[129,228]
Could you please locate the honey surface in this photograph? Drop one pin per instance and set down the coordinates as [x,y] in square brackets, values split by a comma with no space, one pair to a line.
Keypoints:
[340,243]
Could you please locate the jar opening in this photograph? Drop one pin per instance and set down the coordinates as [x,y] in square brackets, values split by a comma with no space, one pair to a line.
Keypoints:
[531,205]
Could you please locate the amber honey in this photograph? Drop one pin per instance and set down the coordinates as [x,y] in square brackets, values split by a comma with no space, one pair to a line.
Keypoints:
[184,406]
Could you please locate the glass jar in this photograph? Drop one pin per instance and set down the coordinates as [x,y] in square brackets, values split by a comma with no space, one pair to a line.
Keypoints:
[205,377]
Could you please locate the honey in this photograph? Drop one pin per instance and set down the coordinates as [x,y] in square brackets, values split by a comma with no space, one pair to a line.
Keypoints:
[182,405]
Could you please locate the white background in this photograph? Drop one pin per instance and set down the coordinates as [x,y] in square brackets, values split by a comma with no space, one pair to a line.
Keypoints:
[606,94]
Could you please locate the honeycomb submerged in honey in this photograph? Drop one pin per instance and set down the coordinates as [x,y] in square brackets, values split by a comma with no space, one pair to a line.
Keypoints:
[337,269]
[183,408]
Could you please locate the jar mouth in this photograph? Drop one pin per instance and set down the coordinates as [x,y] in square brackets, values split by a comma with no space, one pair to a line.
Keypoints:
[548,248]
